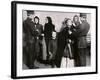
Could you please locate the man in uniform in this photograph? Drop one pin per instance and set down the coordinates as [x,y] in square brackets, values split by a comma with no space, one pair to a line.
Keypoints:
[80,34]
[28,40]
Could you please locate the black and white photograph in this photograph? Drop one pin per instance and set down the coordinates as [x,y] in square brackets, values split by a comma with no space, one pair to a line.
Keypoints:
[53,39]
[56,39]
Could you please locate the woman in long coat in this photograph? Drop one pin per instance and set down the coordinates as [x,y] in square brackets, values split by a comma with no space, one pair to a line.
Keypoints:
[76,24]
[63,37]
[48,28]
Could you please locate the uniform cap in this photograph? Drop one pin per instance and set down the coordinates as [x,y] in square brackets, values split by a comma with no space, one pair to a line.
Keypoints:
[83,15]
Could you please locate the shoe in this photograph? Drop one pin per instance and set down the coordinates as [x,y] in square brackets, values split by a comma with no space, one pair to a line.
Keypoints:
[35,67]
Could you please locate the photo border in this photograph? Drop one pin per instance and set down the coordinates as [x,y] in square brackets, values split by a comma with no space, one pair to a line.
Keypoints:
[14,38]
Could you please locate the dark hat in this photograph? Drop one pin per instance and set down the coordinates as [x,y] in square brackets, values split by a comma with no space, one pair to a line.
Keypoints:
[83,15]
[30,12]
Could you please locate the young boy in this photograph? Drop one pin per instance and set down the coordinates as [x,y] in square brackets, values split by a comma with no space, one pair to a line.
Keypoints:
[53,48]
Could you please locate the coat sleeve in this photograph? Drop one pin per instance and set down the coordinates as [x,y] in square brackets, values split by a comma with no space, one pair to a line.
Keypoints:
[76,33]
[42,29]
[24,27]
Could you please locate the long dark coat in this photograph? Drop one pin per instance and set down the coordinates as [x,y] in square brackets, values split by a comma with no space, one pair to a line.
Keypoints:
[38,30]
[28,55]
[61,43]
[81,33]
[32,35]
[48,28]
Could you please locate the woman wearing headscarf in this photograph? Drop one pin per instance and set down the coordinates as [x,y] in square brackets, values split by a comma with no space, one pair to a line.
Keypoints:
[63,44]
[37,39]
[76,24]
[48,28]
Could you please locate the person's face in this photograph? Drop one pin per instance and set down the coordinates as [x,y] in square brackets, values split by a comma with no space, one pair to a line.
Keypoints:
[82,19]
[76,19]
[69,23]
[46,20]
[36,20]
[31,16]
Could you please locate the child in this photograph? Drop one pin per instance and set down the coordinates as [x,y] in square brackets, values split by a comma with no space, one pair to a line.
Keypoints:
[53,47]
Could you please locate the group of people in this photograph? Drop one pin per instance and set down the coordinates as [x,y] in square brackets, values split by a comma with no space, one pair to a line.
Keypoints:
[70,42]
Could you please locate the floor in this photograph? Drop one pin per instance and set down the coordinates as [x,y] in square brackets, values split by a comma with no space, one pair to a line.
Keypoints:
[65,63]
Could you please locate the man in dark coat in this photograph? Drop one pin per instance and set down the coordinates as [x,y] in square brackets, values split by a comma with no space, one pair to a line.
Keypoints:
[80,34]
[29,40]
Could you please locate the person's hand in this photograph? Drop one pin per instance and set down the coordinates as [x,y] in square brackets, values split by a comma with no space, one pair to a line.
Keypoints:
[80,21]
[70,32]
[74,24]
[37,30]
[37,37]
[42,34]
[69,40]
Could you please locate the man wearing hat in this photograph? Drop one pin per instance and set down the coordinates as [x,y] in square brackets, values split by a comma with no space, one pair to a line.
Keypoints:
[80,34]
[28,40]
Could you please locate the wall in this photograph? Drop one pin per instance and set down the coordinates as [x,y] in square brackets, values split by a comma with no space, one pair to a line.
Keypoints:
[57,17]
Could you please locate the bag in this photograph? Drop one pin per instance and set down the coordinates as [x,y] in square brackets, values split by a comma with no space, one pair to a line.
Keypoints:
[68,51]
